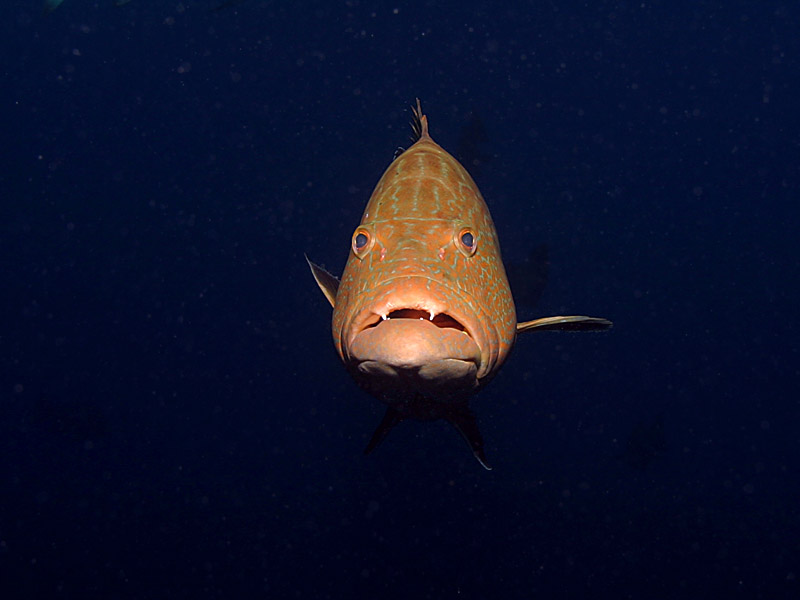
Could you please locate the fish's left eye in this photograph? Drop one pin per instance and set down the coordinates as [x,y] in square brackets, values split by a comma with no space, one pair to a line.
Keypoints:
[362,241]
[467,241]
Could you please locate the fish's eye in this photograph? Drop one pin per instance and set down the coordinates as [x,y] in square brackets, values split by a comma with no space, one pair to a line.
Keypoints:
[362,242]
[467,241]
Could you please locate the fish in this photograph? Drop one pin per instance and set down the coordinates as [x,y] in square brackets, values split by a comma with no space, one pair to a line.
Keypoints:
[423,316]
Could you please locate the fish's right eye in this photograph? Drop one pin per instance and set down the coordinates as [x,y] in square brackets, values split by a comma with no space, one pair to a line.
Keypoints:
[362,241]
[466,240]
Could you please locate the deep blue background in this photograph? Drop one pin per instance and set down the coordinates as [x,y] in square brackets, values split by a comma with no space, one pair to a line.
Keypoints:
[173,419]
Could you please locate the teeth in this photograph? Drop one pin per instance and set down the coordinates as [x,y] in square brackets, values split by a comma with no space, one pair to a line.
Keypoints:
[431,315]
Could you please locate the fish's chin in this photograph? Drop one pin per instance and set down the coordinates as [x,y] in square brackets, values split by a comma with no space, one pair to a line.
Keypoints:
[411,353]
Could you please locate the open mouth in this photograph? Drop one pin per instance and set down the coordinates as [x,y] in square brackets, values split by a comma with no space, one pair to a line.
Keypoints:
[433,349]
[441,320]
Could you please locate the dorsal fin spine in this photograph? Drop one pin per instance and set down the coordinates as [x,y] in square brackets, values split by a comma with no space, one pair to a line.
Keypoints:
[419,124]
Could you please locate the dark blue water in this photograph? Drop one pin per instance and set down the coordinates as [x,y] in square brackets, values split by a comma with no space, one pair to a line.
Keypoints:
[174,421]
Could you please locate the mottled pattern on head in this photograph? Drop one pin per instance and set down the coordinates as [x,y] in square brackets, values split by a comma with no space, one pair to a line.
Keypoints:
[414,216]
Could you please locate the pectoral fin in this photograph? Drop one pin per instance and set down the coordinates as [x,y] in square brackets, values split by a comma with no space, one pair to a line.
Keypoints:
[326,282]
[571,323]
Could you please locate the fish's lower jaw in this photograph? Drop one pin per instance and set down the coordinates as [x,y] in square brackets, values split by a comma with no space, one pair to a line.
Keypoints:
[439,382]
[408,356]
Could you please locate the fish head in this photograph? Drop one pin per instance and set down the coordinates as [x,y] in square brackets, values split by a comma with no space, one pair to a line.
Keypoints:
[424,310]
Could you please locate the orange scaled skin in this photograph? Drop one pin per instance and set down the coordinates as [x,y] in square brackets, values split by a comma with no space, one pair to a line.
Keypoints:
[413,261]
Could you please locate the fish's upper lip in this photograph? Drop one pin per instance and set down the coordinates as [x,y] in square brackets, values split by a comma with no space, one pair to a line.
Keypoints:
[371,313]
